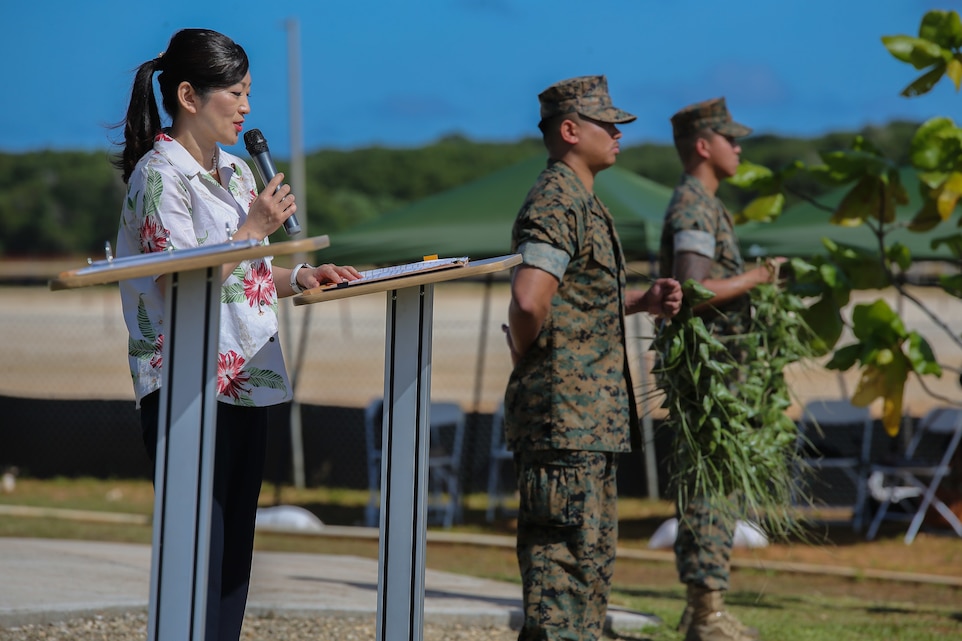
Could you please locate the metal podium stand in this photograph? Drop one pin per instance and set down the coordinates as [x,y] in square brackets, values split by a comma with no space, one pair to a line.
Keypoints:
[405,436]
[183,479]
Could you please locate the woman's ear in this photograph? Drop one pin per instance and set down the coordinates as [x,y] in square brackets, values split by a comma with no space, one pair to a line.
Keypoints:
[187,97]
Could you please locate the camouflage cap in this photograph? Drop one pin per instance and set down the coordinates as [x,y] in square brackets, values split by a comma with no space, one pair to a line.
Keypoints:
[585,95]
[710,114]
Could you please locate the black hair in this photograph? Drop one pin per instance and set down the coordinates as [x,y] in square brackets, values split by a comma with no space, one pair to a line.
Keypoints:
[551,135]
[206,59]
[685,145]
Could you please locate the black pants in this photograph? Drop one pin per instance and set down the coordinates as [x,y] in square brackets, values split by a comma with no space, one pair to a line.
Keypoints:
[238,471]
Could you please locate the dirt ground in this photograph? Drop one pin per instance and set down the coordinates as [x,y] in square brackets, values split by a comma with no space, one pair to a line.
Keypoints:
[72,344]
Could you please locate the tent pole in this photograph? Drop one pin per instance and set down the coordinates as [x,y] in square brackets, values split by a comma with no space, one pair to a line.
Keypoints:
[482,342]
[647,428]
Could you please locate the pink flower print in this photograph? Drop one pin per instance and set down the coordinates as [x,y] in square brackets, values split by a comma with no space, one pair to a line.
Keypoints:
[163,136]
[153,237]
[259,285]
[231,375]
[158,358]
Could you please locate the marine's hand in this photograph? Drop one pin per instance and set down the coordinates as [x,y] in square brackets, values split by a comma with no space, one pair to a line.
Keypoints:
[769,269]
[664,297]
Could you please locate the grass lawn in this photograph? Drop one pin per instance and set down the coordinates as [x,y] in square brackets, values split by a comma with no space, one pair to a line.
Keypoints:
[825,589]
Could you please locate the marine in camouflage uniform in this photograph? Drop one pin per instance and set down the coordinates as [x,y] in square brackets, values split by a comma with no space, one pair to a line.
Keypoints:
[699,229]
[569,406]
[704,541]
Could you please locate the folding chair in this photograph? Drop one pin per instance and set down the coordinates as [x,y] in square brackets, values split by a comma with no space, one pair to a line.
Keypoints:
[444,462]
[373,424]
[836,435]
[499,454]
[913,481]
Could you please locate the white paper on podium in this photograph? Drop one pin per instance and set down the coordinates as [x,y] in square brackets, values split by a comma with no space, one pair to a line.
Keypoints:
[396,271]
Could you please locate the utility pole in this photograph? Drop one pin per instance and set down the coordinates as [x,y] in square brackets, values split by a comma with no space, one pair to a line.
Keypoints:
[298,182]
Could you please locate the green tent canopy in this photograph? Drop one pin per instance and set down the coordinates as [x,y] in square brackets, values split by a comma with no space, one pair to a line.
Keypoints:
[475,219]
[800,229]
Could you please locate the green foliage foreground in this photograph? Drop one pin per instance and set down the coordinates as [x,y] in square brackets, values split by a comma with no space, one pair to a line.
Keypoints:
[726,399]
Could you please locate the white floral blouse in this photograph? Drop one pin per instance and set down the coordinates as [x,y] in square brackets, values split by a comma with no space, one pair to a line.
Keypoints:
[174,203]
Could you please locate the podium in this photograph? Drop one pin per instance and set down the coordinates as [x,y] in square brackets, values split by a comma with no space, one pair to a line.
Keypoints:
[183,481]
[405,436]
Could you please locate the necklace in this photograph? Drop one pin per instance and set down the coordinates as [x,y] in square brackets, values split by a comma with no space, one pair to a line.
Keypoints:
[213,161]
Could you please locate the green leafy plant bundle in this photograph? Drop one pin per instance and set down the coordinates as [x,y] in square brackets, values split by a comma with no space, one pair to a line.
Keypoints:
[732,440]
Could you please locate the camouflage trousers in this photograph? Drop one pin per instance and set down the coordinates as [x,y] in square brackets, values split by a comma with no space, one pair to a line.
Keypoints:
[703,547]
[567,536]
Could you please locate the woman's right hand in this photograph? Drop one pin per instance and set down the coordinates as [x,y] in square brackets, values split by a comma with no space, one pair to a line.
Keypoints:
[269,210]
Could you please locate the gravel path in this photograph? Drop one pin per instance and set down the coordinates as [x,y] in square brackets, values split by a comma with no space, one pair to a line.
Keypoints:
[133,627]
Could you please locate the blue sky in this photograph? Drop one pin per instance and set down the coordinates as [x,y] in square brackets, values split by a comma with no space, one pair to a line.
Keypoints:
[406,73]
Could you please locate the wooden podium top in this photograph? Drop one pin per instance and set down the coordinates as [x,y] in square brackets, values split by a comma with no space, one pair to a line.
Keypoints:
[110,271]
[359,288]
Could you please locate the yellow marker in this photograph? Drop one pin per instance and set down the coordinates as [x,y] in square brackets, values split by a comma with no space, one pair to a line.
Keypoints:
[431,257]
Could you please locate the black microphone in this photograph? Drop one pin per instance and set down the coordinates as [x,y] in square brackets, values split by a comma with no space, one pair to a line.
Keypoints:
[261,155]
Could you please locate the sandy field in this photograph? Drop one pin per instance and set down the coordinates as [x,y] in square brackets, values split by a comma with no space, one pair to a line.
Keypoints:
[72,345]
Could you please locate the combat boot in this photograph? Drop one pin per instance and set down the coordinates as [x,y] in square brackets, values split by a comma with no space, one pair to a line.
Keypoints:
[706,619]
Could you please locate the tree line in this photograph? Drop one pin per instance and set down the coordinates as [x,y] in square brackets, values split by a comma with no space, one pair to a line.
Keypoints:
[67,203]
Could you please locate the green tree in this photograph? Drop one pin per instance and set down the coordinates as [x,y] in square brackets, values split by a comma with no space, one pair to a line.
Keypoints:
[885,350]
[57,203]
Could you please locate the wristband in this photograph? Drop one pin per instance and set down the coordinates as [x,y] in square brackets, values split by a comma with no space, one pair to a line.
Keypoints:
[297,288]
